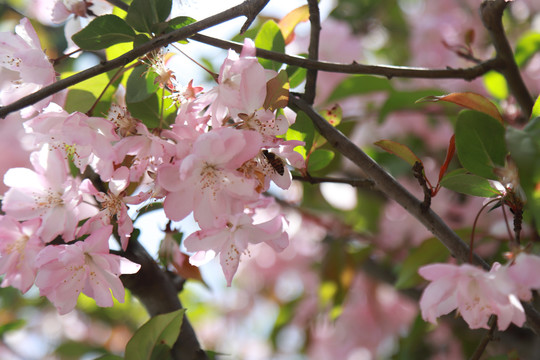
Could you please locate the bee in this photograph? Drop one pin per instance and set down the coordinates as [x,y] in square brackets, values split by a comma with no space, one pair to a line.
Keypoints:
[275,162]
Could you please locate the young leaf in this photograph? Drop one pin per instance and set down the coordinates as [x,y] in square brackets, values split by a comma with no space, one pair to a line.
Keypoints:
[468,100]
[269,37]
[430,251]
[158,331]
[289,22]
[319,159]
[462,182]
[480,143]
[277,92]
[143,14]
[496,85]
[399,150]
[102,32]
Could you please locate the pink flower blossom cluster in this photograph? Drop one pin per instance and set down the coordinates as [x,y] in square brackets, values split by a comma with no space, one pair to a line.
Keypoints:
[216,161]
[478,294]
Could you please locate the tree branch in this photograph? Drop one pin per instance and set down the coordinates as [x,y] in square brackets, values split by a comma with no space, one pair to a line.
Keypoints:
[491,12]
[387,71]
[313,51]
[159,295]
[359,183]
[393,189]
[244,9]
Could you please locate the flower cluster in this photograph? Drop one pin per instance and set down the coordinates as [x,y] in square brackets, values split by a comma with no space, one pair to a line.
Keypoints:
[216,161]
[478,294]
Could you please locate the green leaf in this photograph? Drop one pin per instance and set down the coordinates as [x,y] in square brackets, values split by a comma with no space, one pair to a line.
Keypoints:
[527,46]
[79,100]
[102,32]
[156,332]
[319,159]
[302,130]
[480,143]
[536,108]
[524,147]
[144,14]
[148,111]
[179,22]
[400,150]
[296,74]
[358,85]
[464,183]
[269,37]
[140,84]
[430,251]
[110,357]
[496,85]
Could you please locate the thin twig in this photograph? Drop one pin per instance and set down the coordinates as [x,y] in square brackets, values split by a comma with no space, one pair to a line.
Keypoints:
[388,71]
[359,183]
[395,191]
[486,339]
[491,12]
[313,51]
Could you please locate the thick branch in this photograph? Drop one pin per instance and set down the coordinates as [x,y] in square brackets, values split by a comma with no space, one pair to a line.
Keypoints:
[313,51]
[393,189]
[491,12]
[387,71]
[159,295]
[244,9]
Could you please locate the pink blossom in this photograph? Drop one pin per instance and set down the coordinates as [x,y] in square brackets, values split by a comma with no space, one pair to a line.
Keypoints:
[476,294]
[64,271]
[49,193]
[232,239]
[207,181]
[19,246]
[85,140]
[12,138]
[113,206]
[241,86]
[145,150]
[24,67]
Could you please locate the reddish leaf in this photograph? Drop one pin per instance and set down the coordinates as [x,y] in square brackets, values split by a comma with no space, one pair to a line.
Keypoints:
[444,167]
[399,150]
[468,100]
[289,22]
[277,92]
[449,156]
